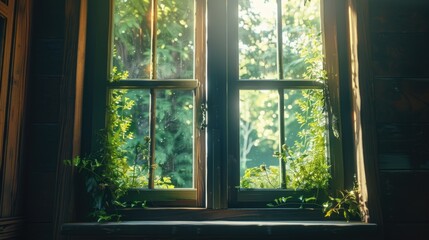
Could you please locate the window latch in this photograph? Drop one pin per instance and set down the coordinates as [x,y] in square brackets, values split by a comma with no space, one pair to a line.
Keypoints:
[203,109]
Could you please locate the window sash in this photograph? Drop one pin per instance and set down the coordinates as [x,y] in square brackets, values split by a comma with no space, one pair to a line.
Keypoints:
[238,197]
[193,197]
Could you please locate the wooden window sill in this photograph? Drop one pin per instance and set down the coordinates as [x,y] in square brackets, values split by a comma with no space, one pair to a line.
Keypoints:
[222,230]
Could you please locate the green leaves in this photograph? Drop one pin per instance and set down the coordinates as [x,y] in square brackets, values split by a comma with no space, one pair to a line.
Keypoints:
[346,204]
[301,201]
[261,177]
[278,202]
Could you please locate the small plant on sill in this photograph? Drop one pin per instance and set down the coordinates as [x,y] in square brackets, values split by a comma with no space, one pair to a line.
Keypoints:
[347,204]
[106,171]
[107,179]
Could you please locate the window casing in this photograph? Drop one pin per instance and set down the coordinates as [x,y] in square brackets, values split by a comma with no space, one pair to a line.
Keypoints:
[215,169]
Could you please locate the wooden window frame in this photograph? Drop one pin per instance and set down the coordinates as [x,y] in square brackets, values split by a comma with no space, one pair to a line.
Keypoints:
[99,71]
[214,197]
[239,197]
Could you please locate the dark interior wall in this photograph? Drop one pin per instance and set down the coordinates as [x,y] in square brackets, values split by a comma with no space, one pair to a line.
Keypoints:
[41,148]
[399,37]
[400,58]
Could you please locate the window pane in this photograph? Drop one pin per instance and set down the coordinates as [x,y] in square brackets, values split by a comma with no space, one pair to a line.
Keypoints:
[257,39]
[129,118]
[259,138]
[302,39]
[129,122]
[174,137]
[174,40]
[175,46]
[132,38]
[307,164]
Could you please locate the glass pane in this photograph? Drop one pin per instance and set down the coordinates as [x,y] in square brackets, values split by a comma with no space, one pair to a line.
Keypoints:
[175,39]
[131,39]
[302,39]
[259,139]
[305,125]
[129,122]
[174,138]
[257,39]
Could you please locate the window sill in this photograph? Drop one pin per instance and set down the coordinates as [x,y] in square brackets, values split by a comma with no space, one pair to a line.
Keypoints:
[223,229]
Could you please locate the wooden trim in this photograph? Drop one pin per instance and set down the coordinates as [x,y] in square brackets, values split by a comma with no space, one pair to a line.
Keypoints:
[5,74]
[279,84]
[11,228]
[200,103]
[155,84]
[232,136]
[216,102]
[222,230]
[80,75]
[330,16]
[11,185]
[4,9]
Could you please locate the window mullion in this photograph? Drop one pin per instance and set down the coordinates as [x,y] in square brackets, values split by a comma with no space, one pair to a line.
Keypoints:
[279,40]
[153,68]
[281,91]
[282,137]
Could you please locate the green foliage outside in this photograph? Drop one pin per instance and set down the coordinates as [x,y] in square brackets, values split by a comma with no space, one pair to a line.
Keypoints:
[174,108]
[304,152]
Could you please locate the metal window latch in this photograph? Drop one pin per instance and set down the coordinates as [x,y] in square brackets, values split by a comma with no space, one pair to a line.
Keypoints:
[203,123]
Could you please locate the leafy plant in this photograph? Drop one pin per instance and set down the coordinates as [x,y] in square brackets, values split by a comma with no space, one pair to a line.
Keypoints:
[304,172]
[107,180]
[347,204]
[261,177]
[106,171]
[302,201]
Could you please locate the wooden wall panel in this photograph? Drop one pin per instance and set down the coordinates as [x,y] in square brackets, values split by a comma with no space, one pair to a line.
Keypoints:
[400,55]
[49,54]
[40,208]
[400,36]
[403,146]
[403,100]
[9,227]
[48,20]
[414,231]
[44,136]
[398,16]
[405,197]
[42,133]
[48,93]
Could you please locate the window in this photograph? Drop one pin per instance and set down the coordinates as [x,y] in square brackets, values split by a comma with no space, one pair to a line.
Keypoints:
[275,77]
[155,93]
[187,139]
